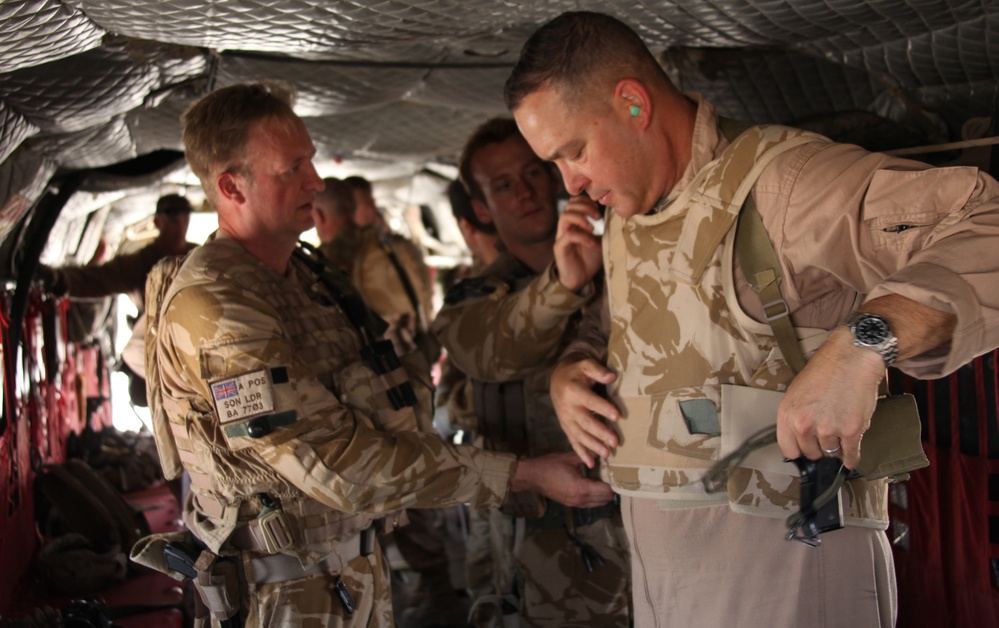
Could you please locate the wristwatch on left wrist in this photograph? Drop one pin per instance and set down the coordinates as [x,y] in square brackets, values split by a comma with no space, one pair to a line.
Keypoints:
[873,332]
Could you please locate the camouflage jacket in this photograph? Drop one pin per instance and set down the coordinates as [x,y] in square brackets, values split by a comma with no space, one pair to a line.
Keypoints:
[363,253]
[238,343]
[509,324]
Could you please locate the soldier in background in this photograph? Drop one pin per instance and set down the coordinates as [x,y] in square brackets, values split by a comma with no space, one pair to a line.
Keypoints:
[375,266]
[506,329]
[126,274]
[298,427]
[454,392]
[385,267]
[365,209]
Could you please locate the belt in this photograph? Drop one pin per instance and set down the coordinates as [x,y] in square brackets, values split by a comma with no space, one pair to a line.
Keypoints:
[555,512]
[282,567]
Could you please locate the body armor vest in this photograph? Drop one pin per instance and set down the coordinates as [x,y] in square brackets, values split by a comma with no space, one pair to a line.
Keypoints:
[517,416]
[679,337]
[225,476]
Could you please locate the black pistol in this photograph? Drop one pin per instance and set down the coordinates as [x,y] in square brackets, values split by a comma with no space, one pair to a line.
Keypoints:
[181,558]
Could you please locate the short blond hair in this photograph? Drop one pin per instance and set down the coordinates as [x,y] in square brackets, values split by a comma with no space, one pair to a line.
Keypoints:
[216,127]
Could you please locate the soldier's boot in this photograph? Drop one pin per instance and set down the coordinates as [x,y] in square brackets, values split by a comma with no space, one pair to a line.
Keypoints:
[435,603]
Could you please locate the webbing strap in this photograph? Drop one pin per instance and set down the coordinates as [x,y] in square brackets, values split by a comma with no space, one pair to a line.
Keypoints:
[407,285]
[762,270]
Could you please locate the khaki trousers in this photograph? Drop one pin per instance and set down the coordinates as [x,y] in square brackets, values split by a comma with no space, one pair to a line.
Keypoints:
[710,567]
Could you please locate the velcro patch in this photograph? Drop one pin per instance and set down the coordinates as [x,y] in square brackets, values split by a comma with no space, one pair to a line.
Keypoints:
[244,396]
[701,416]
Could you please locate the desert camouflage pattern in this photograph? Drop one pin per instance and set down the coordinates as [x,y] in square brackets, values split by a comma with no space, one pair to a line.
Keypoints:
[509,325]
[362,253]
[678,333]
[307,601]
[344,459]
[557,591]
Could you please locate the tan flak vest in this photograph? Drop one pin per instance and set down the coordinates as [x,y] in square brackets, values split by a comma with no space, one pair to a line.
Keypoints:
[220,511]
[691,362]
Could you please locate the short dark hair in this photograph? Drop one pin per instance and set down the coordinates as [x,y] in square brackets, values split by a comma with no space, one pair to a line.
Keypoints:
[575,51]
[492,131]
[217,126]
[461,207]
[173,204]
[357,182]
[340,196]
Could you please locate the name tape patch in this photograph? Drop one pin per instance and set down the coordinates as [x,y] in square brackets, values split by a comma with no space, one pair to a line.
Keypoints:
[243,397]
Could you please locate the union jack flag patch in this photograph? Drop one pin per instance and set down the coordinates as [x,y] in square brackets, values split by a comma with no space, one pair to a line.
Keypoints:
[224,390]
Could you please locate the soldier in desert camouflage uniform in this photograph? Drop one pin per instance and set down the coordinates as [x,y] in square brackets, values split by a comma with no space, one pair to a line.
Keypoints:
[685,340]
[505,329]
[295,422]
[386,268]
[389,273]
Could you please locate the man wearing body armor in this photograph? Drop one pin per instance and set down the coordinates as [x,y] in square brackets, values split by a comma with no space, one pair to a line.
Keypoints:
[271,386]
[505,329]
[386,268]
[395,283]
[687,348]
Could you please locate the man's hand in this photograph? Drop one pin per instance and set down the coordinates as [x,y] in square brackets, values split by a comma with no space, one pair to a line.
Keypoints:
[559,477]
[830,403]
[576,404]
[577,250]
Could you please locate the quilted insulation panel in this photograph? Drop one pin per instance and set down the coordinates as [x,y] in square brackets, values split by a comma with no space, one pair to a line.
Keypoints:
[88,83]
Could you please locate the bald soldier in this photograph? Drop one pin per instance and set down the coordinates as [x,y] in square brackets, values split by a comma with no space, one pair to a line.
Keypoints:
[295,420]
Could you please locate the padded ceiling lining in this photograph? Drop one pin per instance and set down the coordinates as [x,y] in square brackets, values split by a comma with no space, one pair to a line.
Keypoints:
[88,83]
[390,85]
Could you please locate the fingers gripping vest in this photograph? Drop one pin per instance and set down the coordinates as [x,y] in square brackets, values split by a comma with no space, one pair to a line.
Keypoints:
[678,335]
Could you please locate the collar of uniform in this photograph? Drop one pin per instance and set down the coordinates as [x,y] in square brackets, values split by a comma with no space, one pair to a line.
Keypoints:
[706,144]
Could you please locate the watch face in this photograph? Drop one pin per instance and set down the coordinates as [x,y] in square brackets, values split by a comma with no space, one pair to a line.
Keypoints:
[871,330]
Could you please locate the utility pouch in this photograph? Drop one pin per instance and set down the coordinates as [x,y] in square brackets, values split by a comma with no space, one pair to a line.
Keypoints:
[381,358]
[217,583]
[501,412]
[892,447]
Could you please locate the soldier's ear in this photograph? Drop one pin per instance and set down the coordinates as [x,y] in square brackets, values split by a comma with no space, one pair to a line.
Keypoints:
[228,185]
[482,212]
[633,102]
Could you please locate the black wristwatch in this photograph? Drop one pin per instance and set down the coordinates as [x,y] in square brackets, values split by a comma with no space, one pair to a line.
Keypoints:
[874,332]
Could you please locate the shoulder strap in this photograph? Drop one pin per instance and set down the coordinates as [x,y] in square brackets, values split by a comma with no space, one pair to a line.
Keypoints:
[376,352]
[386,244]
[762,271]
[761,267]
